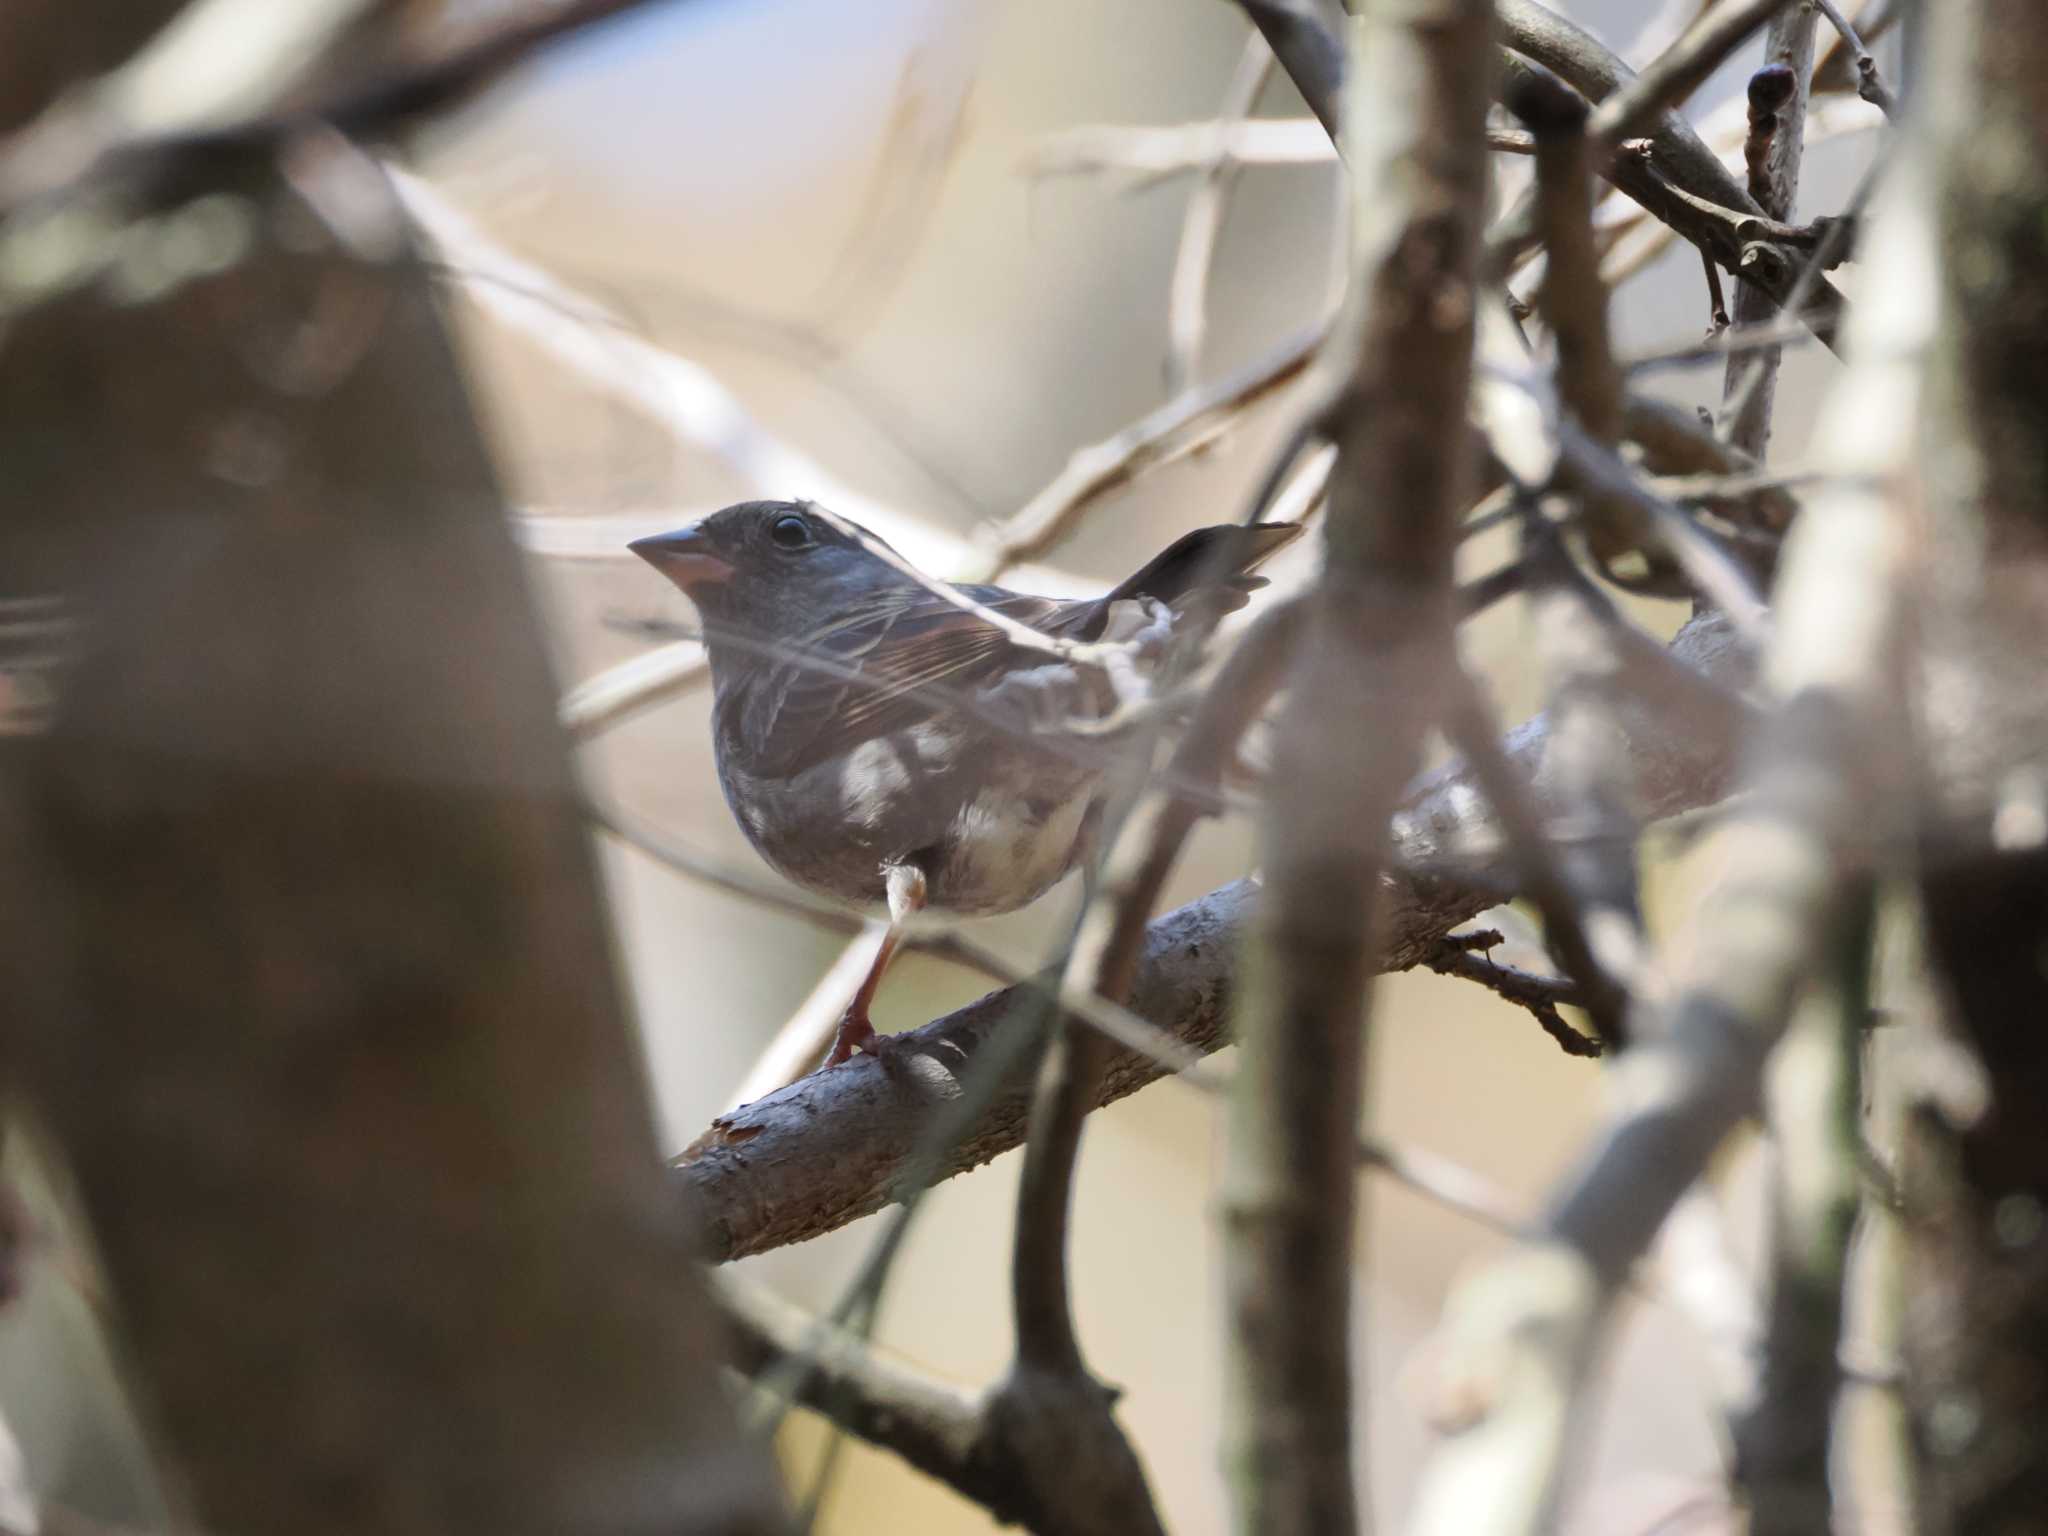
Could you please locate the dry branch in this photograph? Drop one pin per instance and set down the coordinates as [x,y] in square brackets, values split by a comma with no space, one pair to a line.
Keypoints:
[1773,151]
[834,1146]
[1673,159]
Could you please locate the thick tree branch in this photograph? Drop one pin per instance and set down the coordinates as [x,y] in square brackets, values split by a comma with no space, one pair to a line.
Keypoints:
[833,1147]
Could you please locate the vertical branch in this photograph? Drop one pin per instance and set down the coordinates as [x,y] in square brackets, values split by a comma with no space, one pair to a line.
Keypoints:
[1579,656]
[1187,291]
[1084,1475]
[1777,139]
[321,1000]
[1977,1176]
[1816,1118]
[1374,656]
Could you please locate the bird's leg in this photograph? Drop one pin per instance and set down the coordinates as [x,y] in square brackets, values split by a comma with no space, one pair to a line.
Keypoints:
[905,886]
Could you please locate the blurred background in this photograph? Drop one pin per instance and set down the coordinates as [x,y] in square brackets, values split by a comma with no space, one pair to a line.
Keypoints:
[840,216]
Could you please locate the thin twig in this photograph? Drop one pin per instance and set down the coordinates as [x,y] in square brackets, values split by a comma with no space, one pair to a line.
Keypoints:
[1772,151]
[1112,1021]
[1636,238]
[1835,241]
[1472,730]
[1717,347]
[1869,84]
[1683,159]
[1710,568]
[1680,70]
[1152,152]
[1187,291]
[1179,427]
[1301,38]
[1540,995]
[1103,962]
[1572,300]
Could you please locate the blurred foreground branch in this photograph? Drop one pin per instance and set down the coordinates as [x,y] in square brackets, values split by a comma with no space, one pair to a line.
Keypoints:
[1363,692]
[312,980]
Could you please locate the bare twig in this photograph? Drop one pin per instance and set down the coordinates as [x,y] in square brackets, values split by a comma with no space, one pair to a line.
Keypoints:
[1682,158]
[229,73]
[1150,151]
[1572,299]
[1834,241]
[936,1427]
[1869,84]
[1303,37]
[1104,960]
[621,691]
[1715,348]
[1097,1479]
[1540,995]
[1635,238]
[1681,69]
[1586,889]
[1710,568]
[1772,151]
[1471,728]
[1113,1022]
[1187,291]
[1179,427]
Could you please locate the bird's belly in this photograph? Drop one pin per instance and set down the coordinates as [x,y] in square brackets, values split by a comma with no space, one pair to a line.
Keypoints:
[991,832]
[1005,849]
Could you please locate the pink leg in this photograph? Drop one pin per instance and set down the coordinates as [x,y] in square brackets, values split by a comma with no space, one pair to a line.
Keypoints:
[906,896]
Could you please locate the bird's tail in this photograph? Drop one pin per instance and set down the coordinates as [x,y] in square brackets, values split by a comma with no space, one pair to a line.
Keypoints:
[1212,562]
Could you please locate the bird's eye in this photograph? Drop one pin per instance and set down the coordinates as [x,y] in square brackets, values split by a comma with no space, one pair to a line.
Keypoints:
[790,532]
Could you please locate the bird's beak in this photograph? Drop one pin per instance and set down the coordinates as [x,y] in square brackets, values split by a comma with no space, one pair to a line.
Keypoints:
[685,557]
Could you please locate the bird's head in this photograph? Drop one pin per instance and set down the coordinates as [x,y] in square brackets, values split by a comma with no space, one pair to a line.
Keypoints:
[767,571]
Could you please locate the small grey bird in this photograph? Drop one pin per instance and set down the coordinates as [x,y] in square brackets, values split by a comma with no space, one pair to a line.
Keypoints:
[884,746]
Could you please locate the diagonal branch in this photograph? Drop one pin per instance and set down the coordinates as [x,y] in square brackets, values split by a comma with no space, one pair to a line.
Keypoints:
[833,1147]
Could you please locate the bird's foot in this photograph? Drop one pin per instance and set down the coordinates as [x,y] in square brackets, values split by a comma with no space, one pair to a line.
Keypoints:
[855,1034]
[884,1048]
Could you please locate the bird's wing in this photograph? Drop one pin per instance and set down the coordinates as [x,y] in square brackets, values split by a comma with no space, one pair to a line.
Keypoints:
[909,657]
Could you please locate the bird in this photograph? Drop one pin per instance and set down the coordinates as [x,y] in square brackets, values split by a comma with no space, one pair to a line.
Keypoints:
[884,745]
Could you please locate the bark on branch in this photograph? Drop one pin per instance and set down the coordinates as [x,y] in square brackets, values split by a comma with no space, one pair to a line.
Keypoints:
[832,1147]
